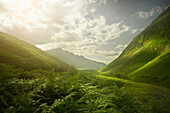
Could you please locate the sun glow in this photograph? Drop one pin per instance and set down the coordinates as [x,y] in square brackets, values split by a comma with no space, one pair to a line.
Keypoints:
[28,13]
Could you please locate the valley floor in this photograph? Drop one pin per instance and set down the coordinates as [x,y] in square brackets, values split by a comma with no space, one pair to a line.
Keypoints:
[144,92]
[83,92]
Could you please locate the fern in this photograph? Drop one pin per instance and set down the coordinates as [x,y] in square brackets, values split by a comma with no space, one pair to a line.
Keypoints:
[49,92]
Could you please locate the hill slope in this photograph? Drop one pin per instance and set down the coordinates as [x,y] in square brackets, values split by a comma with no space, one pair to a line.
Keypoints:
[24,55]
[77,61]
[147,57]
[150,95]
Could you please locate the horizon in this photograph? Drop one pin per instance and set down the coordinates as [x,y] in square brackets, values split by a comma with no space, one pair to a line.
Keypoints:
[65,56]
[98,30]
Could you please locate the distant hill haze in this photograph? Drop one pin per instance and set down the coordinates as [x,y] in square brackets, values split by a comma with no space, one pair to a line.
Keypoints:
[24,55]
[77,61]
[147,57]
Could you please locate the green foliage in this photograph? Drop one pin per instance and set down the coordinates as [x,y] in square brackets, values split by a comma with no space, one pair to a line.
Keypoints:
[62,92]
[24,55]
[147,57]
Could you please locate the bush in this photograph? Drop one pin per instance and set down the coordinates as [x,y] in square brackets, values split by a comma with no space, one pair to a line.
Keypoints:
[48,91]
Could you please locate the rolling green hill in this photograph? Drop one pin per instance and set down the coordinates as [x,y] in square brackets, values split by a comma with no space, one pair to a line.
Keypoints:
[78,61]
[24,55]
[147,57]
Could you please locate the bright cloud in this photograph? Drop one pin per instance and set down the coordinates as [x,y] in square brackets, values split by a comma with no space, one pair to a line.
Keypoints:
[120,46]
[133,31]
[108,53]
[73,25]
[68,24]
[150,13]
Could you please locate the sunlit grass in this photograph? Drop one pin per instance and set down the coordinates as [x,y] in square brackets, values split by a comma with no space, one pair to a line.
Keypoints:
[144,92]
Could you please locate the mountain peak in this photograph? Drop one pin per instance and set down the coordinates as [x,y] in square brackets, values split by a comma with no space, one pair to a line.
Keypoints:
[78,61]
[21,54]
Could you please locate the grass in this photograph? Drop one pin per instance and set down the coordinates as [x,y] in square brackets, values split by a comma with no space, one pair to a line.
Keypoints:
[147,58]
[87,91]
[144,92]
[24,91]
[24,55]
[64,90]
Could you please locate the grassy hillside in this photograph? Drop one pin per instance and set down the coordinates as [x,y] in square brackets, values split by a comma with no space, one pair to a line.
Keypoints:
[147,57]
[24,55]
[78,61]
[154,96]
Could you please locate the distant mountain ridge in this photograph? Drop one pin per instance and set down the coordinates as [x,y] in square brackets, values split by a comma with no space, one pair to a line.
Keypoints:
[21,54]
[77,61]
[147,57]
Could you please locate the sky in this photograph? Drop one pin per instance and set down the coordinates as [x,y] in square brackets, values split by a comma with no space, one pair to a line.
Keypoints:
[96,29]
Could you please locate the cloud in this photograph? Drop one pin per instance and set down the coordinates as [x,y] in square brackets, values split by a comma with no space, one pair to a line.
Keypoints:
[107,53]
[120,46]
[65,37]
[150,13]
[39,15]
[84,37]
[69,24]
[133,31]
[106,56]
[54,21]
[90,31]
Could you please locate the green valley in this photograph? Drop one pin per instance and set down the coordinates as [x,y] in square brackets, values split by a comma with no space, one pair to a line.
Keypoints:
[146,59]
[24,55]
[47,91]
[58,81]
